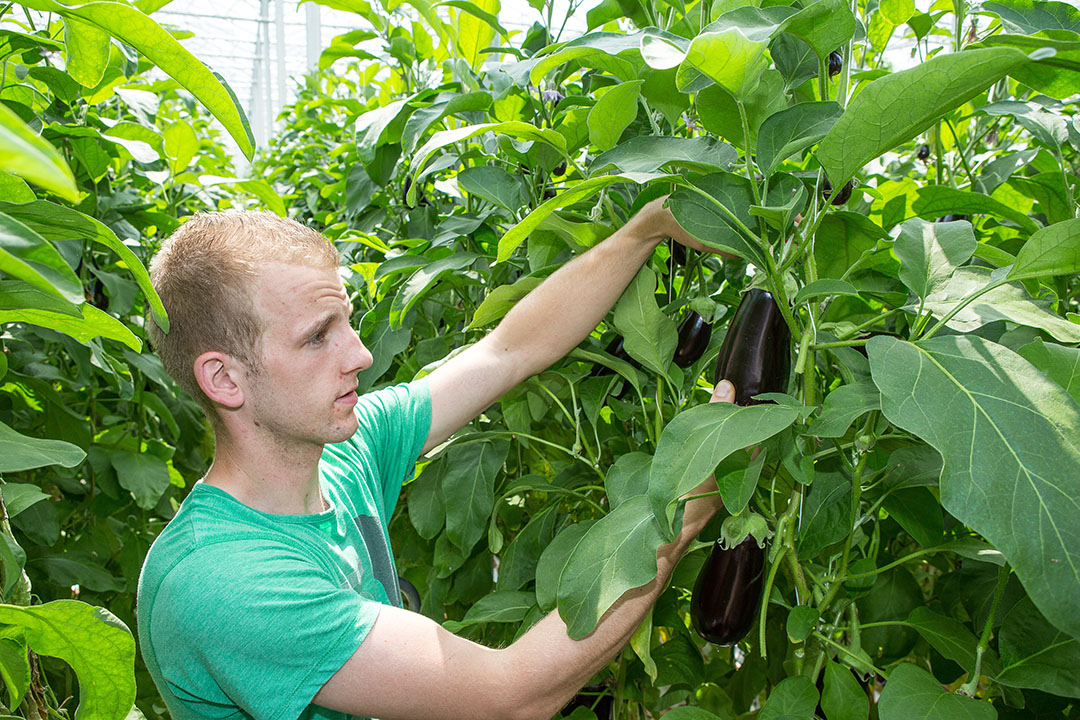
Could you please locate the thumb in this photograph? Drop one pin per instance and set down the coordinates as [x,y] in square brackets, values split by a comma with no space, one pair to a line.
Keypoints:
[723,392]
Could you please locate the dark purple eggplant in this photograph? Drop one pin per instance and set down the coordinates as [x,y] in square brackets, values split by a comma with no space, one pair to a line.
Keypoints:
[836,63]
[615,347]
[694,334]
[755,356]
[728,592]
[841,197]
[923,153]
[678,253]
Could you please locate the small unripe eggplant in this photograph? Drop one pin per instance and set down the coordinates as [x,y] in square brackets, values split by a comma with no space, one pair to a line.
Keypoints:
[836,63]
[728,591]
[923,153]
[755,355]
[694,335]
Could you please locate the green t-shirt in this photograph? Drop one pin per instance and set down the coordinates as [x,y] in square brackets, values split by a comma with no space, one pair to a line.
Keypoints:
[246,614]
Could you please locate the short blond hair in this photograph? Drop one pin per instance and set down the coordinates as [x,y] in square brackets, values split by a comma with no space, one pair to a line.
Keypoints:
[205,274]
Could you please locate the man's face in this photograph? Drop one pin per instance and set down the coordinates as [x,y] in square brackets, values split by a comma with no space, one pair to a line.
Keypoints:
[306,389]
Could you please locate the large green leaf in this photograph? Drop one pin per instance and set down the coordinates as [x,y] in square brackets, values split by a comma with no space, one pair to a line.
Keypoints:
[616,554]
[953,640]
[494,185]
[727,57]
[18,295]
[695,442]
[842,698]
[934,201]
[646,154]
[929,253]
[27,256]
[649,336]
[144,475]
[612,51]
[1032,16]
[24,153]
[87,52]
[627,478]
[842,407]
[824,25]
[1035,654]
[470,479]
[1060,364]
[913,694]
[1010,439]
[505,606]
[56,222]
[138,30]
[895,108]
[793,130]
[1057,76]
[21,452]
[793,697]
[613,113]
[553,560]
[93,323]
[1054,250]
[93,641]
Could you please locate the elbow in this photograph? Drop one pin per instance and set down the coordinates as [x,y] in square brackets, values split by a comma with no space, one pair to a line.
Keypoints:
[521,691]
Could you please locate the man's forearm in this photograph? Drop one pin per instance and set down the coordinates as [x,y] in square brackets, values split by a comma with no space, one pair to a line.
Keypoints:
[569,663]
[551,320]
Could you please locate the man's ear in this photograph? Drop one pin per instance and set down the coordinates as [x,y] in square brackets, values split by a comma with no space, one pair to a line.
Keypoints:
[222,378]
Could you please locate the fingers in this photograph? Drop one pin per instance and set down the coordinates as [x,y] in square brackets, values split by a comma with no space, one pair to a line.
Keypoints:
[723,392]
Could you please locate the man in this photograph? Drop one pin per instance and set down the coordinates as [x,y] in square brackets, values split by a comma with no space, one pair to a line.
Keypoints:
[272,592]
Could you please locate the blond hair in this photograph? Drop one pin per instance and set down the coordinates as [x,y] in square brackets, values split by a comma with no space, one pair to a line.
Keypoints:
[205,274]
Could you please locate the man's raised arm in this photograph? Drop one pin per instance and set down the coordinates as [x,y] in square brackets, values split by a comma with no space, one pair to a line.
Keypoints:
[547,323]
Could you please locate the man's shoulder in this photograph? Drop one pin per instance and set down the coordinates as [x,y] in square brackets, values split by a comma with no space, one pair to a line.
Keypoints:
[210,533]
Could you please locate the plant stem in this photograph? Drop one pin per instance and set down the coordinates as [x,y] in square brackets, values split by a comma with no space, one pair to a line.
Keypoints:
[847,651]
[972,684]
[765,592]
[751,171]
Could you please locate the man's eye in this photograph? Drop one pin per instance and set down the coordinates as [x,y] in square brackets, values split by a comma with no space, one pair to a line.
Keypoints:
[317,338]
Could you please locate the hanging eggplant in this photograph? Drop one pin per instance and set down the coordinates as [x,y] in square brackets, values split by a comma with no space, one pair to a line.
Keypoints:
[755,355]
[694,335]
[756,358]
[728,592]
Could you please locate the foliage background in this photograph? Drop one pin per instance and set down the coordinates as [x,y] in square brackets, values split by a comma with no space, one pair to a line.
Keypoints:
[458,167]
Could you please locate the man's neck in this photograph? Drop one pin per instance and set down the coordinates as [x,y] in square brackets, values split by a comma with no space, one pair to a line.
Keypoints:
[278,481]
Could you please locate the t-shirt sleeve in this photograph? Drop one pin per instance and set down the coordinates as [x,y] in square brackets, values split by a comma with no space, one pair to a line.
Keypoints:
[394,424]
[268,624]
